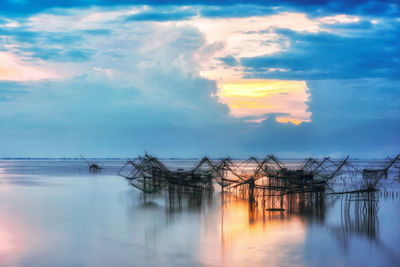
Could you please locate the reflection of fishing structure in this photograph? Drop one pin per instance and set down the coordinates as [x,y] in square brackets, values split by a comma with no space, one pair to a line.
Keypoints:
[310,207]
[358,216]
[254,179]
[93,167]
[268,195]
[189,201]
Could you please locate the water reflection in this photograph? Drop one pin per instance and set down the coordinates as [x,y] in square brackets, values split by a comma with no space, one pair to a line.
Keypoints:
[358,217]
[240,229]
[102,221]
[188,201]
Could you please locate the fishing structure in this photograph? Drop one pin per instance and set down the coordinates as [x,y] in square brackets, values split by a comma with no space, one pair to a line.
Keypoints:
[149,175]
[373,176]
[267,178]
[93,167]
[272,188]
[269,175]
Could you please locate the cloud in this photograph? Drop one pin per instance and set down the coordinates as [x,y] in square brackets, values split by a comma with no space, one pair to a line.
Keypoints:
[237,11]
[124,88]
[370,7]
[14,68]
[61,55]
[258,97]
[93,111]
[92,114]
[229,61]
[154,96]
[331,56]
[356,117]
[9,91]
[339,19]
[163,15]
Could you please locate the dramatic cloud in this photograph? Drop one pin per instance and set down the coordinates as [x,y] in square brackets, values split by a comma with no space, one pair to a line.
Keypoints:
[372,7]
[108,78]
[372,53]
[357,117]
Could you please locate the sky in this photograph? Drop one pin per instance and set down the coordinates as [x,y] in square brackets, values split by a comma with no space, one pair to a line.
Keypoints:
[192,78]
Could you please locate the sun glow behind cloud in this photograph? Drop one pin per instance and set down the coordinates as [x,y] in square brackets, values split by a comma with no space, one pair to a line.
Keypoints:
[250,37]
[224,37]
[251,97]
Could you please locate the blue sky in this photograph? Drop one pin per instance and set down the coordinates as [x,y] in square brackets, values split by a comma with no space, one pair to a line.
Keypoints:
[193,78]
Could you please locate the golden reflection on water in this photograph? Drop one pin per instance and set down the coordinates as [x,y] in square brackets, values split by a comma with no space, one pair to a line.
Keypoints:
[95,220]
[251,234]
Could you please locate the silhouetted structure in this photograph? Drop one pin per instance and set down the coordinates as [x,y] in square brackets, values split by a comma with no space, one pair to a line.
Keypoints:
[268,180]
[93,167]
[373,176]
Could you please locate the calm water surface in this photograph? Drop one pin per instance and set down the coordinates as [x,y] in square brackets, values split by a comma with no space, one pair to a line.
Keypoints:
[55,213]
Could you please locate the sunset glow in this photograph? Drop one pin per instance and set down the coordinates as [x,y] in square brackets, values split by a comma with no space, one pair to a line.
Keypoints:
[173,71]
[242,229]
[259,97]
[199,133]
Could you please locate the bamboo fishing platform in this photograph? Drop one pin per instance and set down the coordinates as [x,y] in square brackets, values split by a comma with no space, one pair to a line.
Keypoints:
[268,176]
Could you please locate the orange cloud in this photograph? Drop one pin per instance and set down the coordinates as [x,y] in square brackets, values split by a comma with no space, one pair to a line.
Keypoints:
[256,97]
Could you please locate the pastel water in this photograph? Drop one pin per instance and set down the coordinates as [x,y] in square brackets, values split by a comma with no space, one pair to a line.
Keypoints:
[55,213]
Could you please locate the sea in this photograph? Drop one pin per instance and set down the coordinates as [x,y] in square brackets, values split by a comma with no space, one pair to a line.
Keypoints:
[54,212]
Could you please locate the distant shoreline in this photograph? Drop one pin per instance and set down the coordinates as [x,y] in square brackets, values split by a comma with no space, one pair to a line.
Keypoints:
[126,158]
